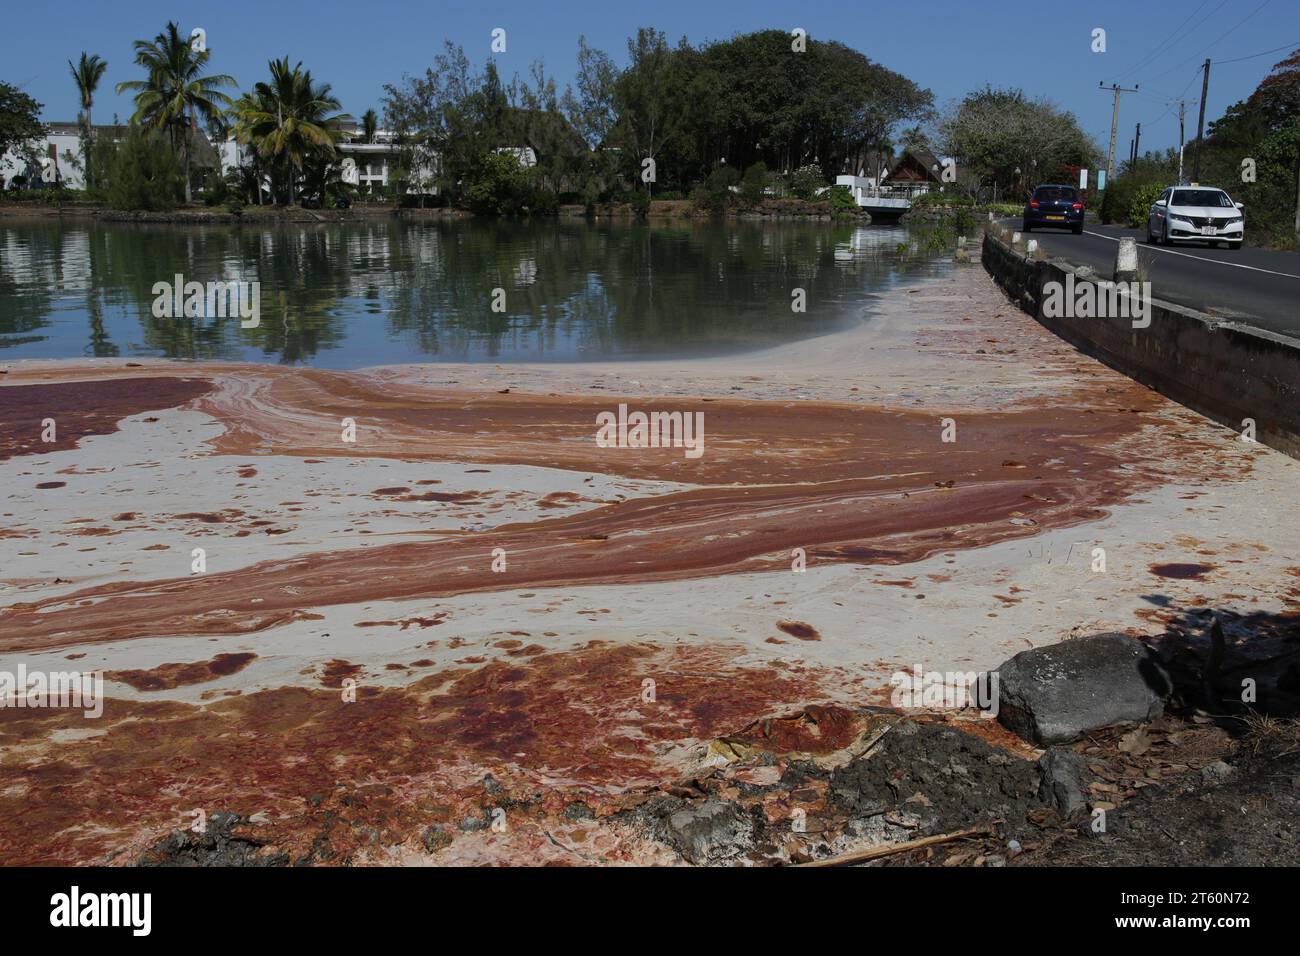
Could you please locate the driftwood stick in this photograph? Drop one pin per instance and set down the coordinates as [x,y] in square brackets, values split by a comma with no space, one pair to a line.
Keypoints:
[875,852]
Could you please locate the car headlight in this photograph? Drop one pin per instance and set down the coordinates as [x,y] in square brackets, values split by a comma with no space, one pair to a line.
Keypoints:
[1177,218]
[1233,221]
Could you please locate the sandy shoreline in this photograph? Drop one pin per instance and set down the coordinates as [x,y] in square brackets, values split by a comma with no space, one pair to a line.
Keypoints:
[372,561]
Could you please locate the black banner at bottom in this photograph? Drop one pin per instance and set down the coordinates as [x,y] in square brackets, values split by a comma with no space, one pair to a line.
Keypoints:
[183,906]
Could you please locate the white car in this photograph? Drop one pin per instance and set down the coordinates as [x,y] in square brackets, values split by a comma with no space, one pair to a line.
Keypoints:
[1196,214]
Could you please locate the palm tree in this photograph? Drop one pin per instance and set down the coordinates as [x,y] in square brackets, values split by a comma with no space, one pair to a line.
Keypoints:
[242,114]
[176,93]
[218,133]
[369,123]
[86,73]
[291,120]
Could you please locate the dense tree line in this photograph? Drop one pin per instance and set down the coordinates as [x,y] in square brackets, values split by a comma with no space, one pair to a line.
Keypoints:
[665,121]
[725,120]
[1253,151]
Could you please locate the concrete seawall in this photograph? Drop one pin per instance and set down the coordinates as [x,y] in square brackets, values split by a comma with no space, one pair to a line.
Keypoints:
[1224,370]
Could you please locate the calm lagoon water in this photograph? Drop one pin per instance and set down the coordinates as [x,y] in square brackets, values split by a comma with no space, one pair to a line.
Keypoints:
[374,293]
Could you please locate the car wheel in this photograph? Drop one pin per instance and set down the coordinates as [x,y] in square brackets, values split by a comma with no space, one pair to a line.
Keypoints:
[1164,234]
[1026,227]
[1077,230]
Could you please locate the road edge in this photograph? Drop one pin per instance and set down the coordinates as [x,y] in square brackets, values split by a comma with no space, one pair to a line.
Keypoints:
[1227,371]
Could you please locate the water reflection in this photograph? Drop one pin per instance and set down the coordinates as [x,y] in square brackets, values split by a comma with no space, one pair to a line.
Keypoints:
[377,292]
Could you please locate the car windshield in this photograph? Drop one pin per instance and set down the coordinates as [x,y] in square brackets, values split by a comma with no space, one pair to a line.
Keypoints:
[1202,197]
[1054,192]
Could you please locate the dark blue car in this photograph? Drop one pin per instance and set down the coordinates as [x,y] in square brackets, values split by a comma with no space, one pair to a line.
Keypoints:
[1056,206]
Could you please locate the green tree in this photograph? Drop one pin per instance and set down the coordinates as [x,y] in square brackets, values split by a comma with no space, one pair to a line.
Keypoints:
[86,74]
[141,172]
[19,119]
[292,122]
[590,109]
[500,186]
[647,96]
[369,123]
[751,98]
[175,93]
[1002,140]
[1253,151]
[445,119]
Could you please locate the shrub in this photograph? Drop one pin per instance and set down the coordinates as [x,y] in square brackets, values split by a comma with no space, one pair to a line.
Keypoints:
[542,202]
[499,186]
[842,198]
[716,193]
[1139,203]
[806,180]
[215,189]
[753,184]
[938,197]
[640,203]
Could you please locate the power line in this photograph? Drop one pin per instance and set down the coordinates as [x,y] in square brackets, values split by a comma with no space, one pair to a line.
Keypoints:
[1222,36]
[1193,30]
[1171,38]
[1255,56]
[1205,69]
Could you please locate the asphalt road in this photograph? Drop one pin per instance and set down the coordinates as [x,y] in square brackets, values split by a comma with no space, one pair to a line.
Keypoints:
[1258,287]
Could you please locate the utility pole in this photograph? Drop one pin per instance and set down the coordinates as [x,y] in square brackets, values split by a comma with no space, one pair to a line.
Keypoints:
[1137,143]
[1200,124]
[1181,106]
[1114,126]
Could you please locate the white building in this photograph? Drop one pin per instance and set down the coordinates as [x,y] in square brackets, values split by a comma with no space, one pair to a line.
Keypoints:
[56,159]
[370,166]
[57,156]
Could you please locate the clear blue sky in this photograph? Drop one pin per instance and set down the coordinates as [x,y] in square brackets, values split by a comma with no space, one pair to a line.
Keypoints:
[949,46]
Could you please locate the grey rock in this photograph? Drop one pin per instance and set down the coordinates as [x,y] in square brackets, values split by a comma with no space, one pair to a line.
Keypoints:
[578,811]
[1057,693]
[435,838]
[1063,774]
[217,845]
[1217,772]
[711,829]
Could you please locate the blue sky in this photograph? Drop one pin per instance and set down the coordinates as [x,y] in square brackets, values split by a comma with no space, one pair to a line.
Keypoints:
[949,46]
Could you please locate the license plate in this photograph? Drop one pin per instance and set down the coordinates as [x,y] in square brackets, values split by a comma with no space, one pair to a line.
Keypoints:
[1055,217]
[1209,231]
